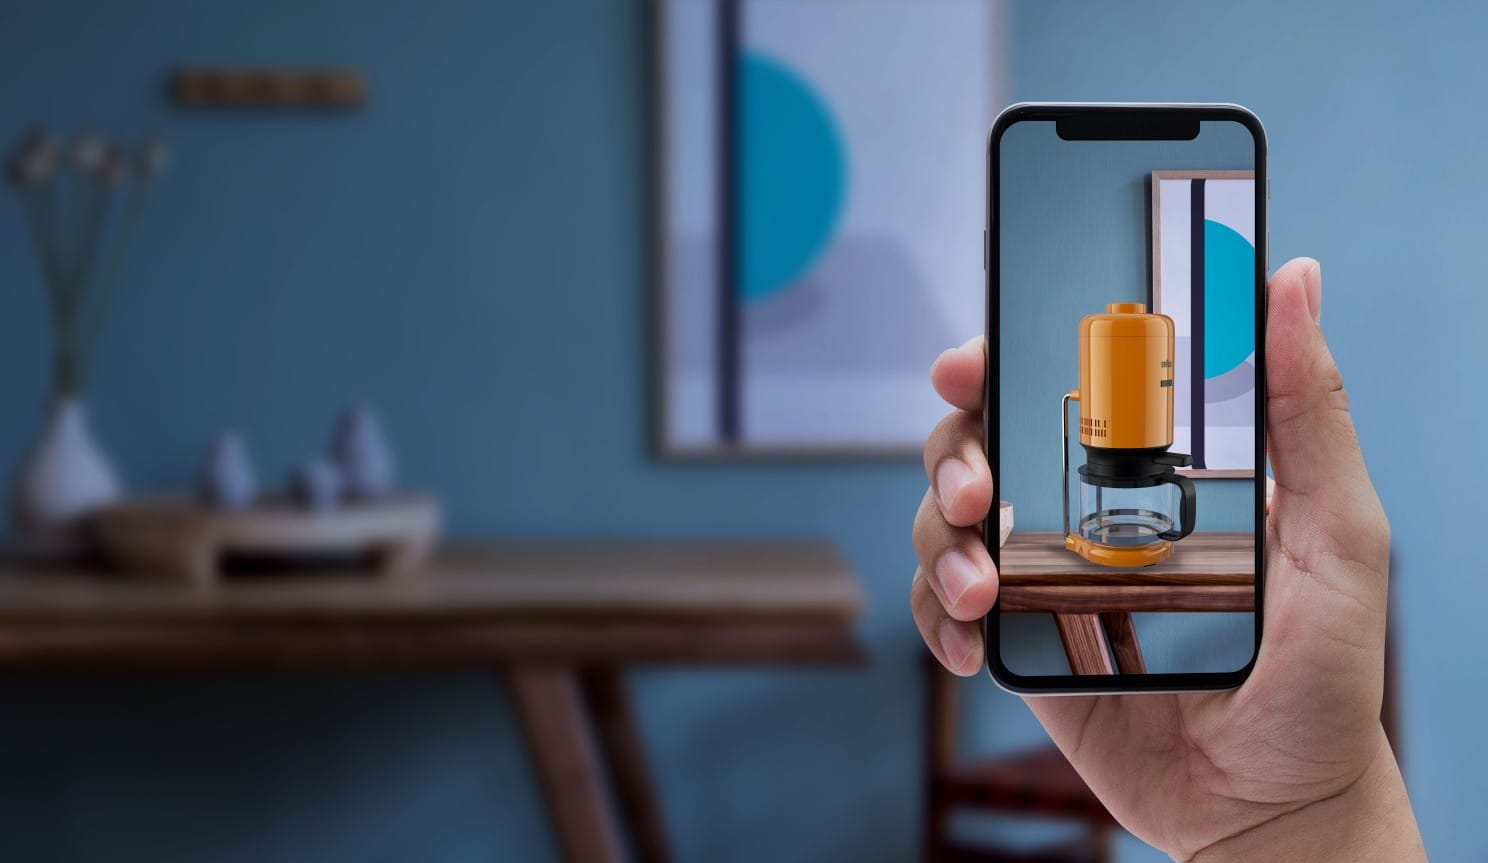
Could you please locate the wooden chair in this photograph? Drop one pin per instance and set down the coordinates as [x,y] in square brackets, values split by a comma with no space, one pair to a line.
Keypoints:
[1035,782]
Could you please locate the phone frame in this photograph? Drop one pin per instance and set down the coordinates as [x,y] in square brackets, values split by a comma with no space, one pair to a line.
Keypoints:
[1120,121]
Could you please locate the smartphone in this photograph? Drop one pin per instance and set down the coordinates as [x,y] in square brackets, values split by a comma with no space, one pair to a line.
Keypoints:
[1126,264]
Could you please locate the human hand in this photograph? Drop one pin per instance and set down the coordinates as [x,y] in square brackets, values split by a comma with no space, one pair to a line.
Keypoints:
[1294,764]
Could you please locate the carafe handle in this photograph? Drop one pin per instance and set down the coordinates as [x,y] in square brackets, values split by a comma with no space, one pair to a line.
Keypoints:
[1186,507]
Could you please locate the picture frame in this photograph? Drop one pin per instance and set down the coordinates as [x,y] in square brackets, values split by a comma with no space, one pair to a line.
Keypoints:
[1222,397]
[798,366]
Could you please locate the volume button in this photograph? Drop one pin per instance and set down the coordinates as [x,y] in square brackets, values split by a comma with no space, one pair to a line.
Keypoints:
[984,250]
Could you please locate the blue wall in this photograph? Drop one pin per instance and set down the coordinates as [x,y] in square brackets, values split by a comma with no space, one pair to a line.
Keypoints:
[468,252]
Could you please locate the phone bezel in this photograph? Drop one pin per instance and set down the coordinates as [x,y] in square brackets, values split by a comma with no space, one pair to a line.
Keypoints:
[1132,118]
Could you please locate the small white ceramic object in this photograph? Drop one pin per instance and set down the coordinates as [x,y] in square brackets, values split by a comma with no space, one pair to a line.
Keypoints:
[1004,522]
[227,478]
[361,451]
[65,478]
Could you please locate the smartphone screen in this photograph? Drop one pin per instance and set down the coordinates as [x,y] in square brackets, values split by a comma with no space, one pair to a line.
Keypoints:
[1125,275]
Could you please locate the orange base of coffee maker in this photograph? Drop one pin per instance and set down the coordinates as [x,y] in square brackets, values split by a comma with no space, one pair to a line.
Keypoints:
[1106,555]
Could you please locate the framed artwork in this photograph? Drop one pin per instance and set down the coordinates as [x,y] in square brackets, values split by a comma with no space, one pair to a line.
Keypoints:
[819,181]
[1203,277]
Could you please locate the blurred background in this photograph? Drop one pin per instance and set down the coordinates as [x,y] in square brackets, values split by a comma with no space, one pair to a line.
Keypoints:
[465,233]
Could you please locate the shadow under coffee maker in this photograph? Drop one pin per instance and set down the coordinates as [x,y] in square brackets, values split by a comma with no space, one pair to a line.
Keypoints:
[1127,484]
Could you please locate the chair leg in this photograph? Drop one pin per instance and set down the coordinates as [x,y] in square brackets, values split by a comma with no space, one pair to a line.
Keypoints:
[935,834]
[940,745]
[1101,847]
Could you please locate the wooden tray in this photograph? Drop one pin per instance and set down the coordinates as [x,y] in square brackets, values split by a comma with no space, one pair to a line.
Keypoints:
[181,540]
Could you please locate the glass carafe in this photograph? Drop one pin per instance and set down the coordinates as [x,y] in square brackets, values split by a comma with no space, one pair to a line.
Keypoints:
[1124,517]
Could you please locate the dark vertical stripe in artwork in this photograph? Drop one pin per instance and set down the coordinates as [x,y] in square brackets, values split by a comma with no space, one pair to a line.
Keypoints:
[727,320]
[1196,320]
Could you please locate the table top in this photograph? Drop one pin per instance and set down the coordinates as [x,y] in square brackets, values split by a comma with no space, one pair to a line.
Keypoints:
[579,601]
[1209,571]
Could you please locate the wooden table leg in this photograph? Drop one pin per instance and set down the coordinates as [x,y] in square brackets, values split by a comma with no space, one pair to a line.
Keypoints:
[620,736]
[1122,634]
[551,707]
[1084,643]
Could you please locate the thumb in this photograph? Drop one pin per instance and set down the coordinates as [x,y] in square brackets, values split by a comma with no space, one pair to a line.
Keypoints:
[1310,436]
[1328,542]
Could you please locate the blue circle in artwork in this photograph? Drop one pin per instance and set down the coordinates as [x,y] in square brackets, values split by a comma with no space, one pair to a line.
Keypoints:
[793,176]
[1229,299]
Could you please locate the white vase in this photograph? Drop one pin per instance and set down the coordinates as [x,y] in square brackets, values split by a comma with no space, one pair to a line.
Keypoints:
[227,479]
[65,478]
[361,451]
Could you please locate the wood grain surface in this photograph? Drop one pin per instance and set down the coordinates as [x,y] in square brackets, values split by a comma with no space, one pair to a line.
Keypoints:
[1084,643]
[756,603]
[1089,599]
[1207,572]
[1039,557]
[1121,633]
[179,540]
[561,581]
[268,88]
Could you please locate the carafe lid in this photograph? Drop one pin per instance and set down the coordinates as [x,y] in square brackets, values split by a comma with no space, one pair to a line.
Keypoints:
[1126,308]
[1130,468]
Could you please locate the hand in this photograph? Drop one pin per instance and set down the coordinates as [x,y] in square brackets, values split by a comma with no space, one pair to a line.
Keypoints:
[1294,764]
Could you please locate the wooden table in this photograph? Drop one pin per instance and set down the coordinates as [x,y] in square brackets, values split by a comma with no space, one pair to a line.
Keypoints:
[1092,605]
[561,620]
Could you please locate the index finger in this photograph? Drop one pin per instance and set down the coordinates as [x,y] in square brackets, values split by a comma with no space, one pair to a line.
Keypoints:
[960,374]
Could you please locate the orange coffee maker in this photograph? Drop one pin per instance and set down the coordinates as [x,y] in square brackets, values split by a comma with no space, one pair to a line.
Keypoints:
[1128,515]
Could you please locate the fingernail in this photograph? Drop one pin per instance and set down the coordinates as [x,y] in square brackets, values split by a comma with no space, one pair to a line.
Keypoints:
[951,477]
[955,643]
[957,574]
[1313,281]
